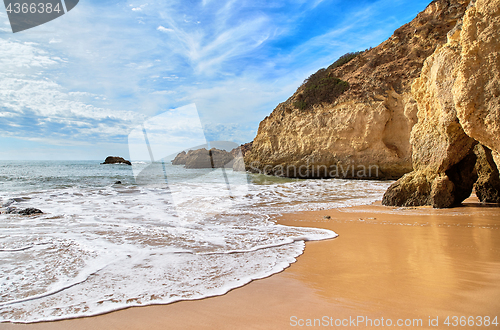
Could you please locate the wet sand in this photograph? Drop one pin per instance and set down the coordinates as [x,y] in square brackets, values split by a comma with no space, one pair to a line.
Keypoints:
[393,263]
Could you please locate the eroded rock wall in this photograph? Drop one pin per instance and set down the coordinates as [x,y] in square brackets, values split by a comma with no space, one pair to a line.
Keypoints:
[477,87]
[370,124]
[457,96]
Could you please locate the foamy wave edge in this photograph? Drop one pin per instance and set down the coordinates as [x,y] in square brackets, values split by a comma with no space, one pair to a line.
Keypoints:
[279,267]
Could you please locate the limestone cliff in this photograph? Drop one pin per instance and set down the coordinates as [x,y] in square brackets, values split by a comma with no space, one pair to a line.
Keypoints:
[477,88]
[454,115]
[369,124]
[180,159]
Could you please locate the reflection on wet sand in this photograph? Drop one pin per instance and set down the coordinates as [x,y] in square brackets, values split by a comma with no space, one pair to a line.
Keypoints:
[415,262]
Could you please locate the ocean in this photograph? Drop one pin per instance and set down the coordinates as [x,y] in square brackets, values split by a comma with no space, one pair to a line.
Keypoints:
[163,234]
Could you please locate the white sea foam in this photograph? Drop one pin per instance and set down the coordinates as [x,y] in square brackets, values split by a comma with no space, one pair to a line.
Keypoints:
[102,248]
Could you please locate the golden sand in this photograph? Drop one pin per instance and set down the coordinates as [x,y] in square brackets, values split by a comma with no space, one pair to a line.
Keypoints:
[391,263]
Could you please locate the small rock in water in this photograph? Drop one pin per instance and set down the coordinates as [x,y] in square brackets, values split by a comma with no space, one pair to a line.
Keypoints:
[327,217]
[30,211]
[27,211]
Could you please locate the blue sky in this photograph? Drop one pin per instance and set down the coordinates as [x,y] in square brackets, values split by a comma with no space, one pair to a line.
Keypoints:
[74,88]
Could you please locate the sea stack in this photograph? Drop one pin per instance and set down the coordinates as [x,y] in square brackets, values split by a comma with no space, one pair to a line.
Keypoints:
[116,160]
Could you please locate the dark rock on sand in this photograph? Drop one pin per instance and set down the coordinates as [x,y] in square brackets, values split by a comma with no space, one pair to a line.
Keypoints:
[116,160]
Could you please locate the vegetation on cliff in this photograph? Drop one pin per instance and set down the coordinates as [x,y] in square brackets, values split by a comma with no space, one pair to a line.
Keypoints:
[323,86]
[320,87]
[344,59]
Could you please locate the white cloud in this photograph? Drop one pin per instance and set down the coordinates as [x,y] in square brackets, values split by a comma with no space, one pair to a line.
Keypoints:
[33,104]
[164,29]
[209,46]
[15,56]
[167,134]
[164,92]
[139,8]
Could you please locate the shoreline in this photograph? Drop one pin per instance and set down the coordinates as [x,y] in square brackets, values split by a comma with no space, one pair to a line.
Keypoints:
[387,262]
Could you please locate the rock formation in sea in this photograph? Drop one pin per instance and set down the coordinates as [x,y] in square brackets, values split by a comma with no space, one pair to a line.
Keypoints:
[364,116]
[203,158]
[116,160]
[180,159]
[458,101]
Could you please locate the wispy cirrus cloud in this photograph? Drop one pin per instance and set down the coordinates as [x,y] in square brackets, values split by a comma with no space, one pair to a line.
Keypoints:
[93,74]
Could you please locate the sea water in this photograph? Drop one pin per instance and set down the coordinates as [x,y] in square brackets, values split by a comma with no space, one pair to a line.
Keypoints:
[166,235]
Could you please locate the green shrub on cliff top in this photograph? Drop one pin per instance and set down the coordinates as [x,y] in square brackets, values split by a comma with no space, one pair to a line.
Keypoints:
[344,59]
[322,86]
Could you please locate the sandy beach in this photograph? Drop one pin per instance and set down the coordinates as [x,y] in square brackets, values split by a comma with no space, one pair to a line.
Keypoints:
[406,265]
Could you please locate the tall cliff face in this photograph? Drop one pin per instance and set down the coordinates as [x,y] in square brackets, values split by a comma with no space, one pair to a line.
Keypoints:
[458,100]
[477,88]
[370,123]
